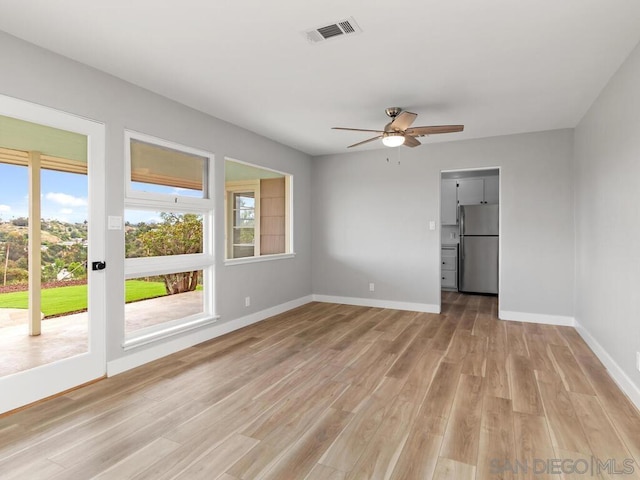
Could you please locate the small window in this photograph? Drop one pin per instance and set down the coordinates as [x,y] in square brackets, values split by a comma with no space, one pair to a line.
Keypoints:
[244,218]
[258,211]
[156,170]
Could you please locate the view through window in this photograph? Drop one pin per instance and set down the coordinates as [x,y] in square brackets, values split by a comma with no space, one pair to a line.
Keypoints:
[168,238]
[257,210]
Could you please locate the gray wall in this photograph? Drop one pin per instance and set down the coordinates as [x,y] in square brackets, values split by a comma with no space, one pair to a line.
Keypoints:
[39,76]
[607,171]
[371,217]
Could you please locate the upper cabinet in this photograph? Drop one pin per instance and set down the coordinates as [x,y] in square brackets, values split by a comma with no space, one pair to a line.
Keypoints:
[448,202]
[492,190]
[476,191]
[470,191]
[466,191]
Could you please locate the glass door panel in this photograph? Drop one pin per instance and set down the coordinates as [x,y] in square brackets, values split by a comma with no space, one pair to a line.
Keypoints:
[50,229]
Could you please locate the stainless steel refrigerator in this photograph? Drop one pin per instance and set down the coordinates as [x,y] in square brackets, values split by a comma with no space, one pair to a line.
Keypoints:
[478,258]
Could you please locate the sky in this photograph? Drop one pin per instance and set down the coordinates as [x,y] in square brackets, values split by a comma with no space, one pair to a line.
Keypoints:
[64,196]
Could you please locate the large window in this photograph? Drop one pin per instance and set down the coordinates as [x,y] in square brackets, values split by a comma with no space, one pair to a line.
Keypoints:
[258,213]
[168,239]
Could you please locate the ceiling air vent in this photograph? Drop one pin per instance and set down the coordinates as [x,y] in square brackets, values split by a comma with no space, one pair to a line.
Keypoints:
[334,30]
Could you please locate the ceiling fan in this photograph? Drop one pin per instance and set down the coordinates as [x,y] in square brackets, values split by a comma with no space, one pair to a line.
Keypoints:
[399,131]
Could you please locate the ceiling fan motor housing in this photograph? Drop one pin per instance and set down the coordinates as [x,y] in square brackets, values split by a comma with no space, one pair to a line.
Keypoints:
[392,112]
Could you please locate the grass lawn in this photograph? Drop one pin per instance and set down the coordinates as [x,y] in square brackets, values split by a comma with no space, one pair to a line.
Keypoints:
[57,301]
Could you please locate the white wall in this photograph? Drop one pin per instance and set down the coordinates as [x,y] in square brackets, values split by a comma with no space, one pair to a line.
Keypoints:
[37,75]
[370,221]
[607,171]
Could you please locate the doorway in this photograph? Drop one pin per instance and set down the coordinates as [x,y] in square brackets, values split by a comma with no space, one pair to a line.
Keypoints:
[471,265]
[52,330]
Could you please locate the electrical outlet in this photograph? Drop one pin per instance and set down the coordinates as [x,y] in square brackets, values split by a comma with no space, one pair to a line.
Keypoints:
[247,301]
[372,287]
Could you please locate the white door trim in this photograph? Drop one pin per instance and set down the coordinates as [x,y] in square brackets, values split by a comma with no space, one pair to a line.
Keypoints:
[26,387]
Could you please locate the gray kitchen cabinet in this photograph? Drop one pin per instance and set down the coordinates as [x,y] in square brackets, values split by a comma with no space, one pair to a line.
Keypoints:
[492,190]
[470,191]
[466,191]
[481,190]
[449,267]
[448,202]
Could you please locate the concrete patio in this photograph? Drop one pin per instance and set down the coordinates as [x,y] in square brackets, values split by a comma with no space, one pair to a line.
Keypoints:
[66,336]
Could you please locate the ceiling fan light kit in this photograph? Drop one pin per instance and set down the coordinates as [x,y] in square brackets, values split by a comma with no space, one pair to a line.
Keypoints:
[399,131]
[392,139]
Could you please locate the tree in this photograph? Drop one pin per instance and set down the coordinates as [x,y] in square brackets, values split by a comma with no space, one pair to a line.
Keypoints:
[178,234]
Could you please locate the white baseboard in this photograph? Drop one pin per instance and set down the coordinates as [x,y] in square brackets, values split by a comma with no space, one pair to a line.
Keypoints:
[619,376]
[559,320]
[372,302]
[155,352]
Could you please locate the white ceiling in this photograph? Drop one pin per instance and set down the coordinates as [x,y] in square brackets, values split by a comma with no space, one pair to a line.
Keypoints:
[496,66]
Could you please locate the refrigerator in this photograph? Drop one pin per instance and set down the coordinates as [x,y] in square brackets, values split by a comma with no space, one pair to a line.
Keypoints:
[479,241]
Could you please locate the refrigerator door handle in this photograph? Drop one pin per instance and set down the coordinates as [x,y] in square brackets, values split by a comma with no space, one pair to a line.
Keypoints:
[462,232]
[461,264]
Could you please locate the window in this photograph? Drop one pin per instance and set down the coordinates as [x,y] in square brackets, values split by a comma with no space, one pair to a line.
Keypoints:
[258,213]
[168,240]
[163,171]
[244,218]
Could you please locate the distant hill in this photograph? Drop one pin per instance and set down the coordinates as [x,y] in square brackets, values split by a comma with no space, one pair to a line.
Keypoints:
[6,228]
[63,247]
[52,231]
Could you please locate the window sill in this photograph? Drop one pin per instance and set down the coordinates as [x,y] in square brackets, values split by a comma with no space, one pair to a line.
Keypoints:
[151,337]
[262,258]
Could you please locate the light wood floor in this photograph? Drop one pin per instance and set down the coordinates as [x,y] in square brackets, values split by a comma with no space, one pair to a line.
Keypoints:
[340,392]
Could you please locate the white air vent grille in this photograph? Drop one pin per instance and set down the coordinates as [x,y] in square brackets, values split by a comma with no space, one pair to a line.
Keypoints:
[334,30]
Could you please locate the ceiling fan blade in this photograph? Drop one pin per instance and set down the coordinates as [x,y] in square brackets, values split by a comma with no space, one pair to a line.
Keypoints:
[403,121]
[432,130]
[357,129]
[410,141]
[365,141]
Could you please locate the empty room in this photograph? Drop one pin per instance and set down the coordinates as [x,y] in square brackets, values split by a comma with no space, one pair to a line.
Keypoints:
[319,240]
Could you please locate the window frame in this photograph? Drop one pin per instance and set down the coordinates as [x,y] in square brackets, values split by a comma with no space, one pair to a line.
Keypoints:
[158,265]
[134,195]
[289,238]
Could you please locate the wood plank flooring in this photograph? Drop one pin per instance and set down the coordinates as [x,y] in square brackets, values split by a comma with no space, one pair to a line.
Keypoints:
[340,392]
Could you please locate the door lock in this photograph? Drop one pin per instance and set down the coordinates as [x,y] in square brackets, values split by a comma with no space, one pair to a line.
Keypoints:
[98,265]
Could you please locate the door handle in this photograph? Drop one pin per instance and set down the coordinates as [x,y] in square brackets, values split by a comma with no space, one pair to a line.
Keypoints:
[98,266]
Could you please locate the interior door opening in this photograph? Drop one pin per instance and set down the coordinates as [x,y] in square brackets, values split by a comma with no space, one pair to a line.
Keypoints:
[470,231]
